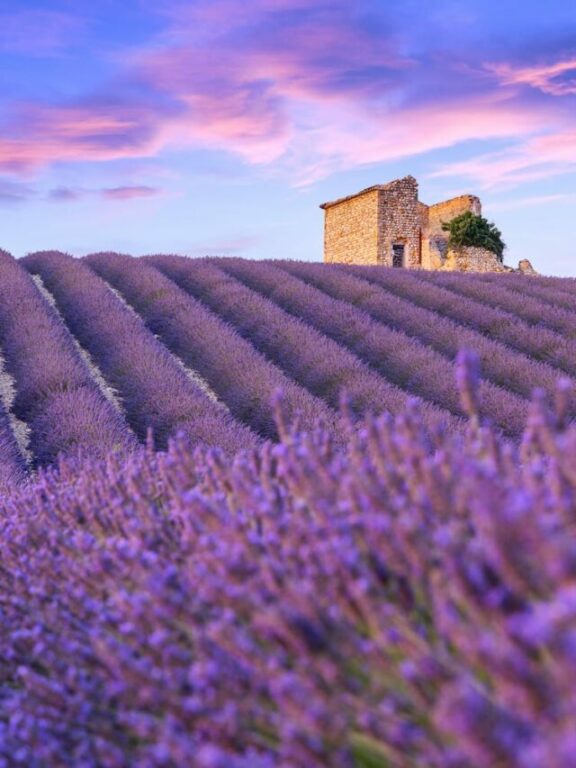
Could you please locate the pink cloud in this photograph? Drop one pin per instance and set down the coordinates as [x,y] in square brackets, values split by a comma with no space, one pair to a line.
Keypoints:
[361,138]
[318,97]
[557,79]
[243,120]
[531,160]
[47,135]
[37,32]
[129,193]
[320,48]
[314,92]
[39,135]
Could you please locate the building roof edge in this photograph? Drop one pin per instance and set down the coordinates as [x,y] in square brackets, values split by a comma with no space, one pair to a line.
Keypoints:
[373,188]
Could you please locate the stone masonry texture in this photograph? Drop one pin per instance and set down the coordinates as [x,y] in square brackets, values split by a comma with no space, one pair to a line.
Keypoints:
[351,232]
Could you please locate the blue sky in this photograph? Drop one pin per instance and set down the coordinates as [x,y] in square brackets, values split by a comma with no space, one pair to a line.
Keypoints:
[218,127]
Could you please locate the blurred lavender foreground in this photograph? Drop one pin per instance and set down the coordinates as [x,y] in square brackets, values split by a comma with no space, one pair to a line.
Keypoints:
[407,600]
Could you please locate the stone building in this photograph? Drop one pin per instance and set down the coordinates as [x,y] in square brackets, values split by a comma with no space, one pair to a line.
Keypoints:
[386,224]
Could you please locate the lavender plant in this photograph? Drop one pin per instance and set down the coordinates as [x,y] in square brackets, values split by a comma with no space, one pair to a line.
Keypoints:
[410,365]
[55,392]
[422,327]
[540,343]
[155,390]
[244,379]
[317,362]
[559,292]
[532,310]
[561,284]
[402,304]
[404,600]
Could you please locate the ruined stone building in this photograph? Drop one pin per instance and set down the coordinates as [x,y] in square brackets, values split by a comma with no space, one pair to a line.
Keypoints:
[386,224]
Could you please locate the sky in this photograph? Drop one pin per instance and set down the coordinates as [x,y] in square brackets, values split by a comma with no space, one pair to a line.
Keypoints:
[219,126]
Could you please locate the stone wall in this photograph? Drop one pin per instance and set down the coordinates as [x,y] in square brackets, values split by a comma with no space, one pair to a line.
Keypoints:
[472,259]
[448,210]
[434,239]
[351,233]
[399,221]
[525,268]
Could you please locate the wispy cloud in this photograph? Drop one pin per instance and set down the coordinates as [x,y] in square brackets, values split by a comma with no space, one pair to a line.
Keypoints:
[531,160]
[129,193]
[39,134]
[12,193]
[65,194]
[557,78]
[414,130]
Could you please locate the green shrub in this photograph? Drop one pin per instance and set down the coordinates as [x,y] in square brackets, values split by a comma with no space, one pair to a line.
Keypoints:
[469,229]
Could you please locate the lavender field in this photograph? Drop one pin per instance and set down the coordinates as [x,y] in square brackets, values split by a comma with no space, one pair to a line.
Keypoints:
[285,514]
[97,351]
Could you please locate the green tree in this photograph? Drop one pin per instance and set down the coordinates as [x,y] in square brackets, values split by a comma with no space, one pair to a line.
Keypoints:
[469,229]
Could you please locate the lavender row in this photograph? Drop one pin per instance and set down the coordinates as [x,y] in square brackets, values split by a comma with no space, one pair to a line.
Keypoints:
[12,463]
[556,294]
[405,601]
[413,366]
[500,365]
[533,311]
[243,378]
[505,408]
[539,343]
[318,363]
[564,285]
[155,391]
[55,392]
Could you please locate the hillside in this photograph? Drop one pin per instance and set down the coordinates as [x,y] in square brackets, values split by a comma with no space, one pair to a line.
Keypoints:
[97,351]
[391,591]
[399,599]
